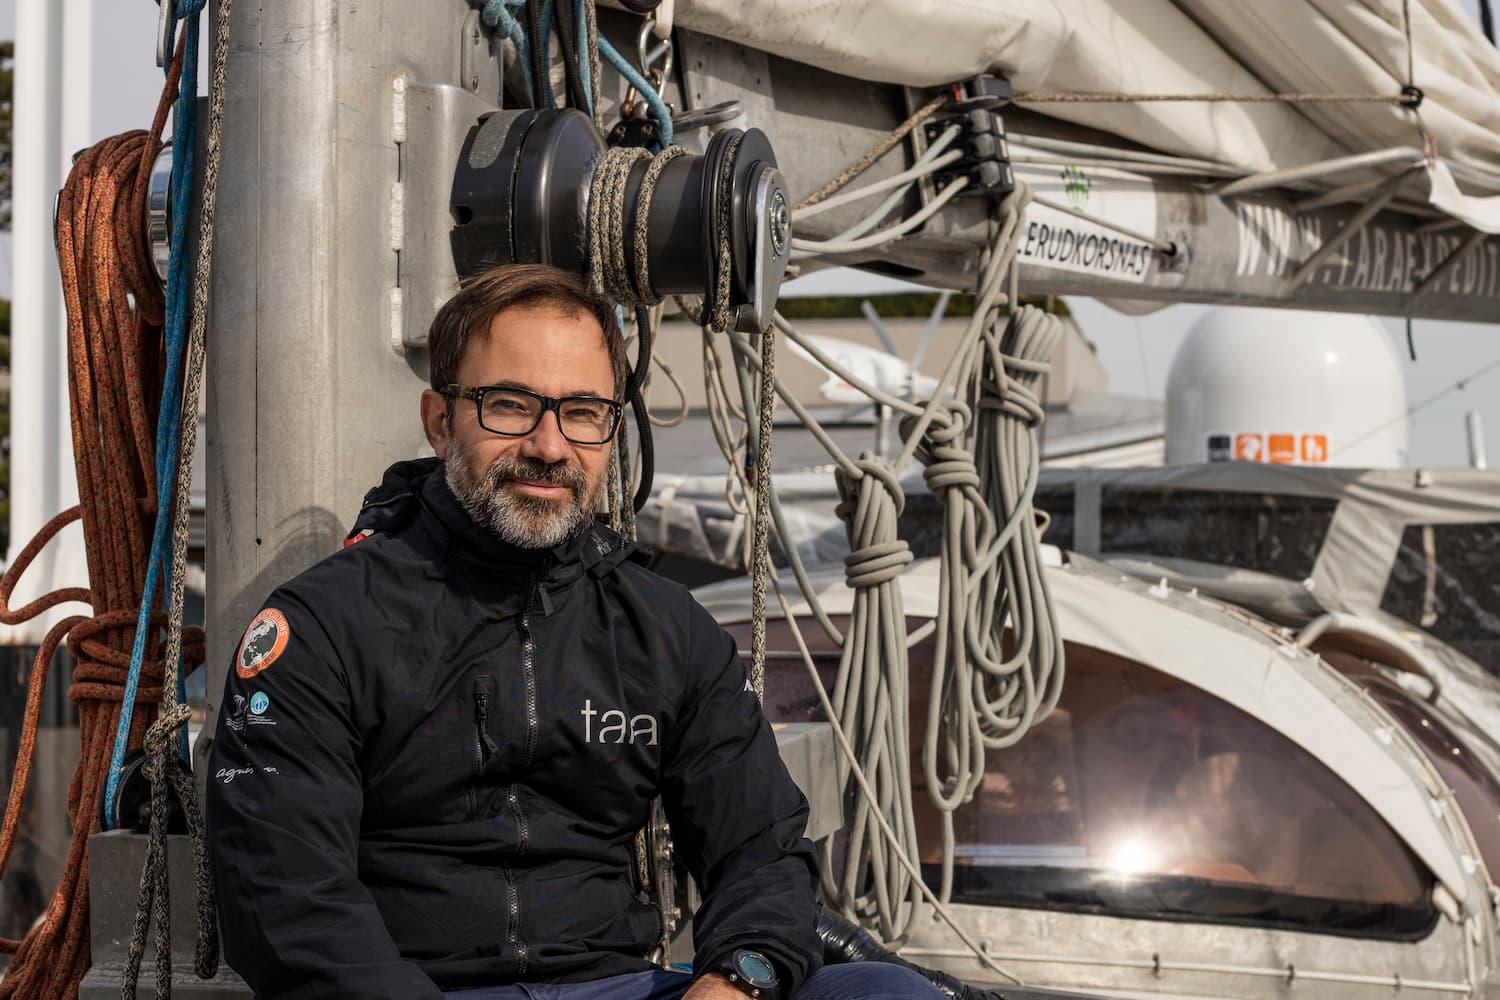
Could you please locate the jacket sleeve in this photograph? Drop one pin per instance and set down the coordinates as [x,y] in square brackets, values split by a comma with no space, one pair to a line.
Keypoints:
[284,801]
[738,819]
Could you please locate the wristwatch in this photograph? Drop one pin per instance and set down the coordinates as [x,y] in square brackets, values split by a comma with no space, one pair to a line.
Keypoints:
[752,973]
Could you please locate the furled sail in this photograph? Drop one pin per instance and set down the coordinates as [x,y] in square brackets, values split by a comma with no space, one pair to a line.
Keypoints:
[1358,48]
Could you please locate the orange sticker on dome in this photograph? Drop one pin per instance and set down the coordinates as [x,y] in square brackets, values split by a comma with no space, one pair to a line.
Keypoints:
[264,641]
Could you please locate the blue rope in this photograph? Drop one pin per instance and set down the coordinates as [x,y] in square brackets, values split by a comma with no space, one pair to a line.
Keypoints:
[497,15]
[547,47]
[658,107]
[585,63]
[179,282]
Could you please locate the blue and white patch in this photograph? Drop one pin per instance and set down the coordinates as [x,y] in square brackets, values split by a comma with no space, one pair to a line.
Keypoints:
[259,702]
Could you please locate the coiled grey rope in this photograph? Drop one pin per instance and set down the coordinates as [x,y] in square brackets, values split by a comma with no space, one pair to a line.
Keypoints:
[872,696]
[882,147]
[642,222]
[607,271]
[991,572]
[627,282]
[987,515]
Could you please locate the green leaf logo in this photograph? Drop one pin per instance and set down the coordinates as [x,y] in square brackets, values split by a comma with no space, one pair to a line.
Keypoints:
[1077,185]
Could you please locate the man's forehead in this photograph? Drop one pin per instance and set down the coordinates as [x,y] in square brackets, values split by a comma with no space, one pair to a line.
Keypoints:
[527,342]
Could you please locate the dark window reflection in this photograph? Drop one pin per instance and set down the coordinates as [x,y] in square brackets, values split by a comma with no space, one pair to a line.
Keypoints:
[1445,581]
[1280,535]
[921,522]
[1057,502]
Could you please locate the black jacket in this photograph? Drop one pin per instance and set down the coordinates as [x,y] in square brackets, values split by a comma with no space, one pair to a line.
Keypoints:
[433,778]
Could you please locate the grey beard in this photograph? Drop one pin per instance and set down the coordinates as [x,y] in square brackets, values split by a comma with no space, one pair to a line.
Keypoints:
[523,521]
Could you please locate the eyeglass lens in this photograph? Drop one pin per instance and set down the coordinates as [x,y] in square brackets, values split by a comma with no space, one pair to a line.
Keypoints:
[583,420]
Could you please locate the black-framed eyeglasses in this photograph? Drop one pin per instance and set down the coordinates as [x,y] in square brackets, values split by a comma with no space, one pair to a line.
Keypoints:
[514,412]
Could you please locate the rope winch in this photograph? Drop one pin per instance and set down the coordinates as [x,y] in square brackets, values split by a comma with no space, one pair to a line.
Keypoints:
[524,190]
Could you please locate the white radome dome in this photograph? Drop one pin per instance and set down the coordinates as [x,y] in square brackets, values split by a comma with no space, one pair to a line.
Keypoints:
[1288,387]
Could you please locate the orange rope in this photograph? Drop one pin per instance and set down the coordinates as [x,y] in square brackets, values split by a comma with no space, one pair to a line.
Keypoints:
[116,310]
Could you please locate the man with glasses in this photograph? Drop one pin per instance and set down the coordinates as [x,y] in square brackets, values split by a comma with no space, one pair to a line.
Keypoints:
[438,744]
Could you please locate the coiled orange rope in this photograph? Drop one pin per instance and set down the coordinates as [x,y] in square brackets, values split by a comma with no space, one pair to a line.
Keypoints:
[115,309]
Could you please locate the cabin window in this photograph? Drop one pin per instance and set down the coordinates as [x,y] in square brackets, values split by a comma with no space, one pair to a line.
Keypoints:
[920,525]
[1475,789]
[1444,582]
[1268,533]
[1144,796]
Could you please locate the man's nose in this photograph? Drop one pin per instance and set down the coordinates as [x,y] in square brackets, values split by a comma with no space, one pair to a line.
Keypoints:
[546,441]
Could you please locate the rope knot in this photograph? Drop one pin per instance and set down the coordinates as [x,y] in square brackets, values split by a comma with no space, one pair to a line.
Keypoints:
[874,471]
[949,421]
[159,734]
[876,564]
[949,467]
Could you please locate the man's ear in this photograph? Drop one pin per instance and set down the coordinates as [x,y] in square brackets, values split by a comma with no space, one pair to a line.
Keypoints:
[435,422]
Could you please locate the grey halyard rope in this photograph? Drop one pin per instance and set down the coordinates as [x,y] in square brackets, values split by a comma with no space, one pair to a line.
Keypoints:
[720,317]
[160,744]
[762,545]
[642,223]
[627,282]
[627,478]
[876,152]
[607,272]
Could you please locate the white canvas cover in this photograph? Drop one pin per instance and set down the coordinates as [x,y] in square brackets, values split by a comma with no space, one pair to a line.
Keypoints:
[1177,47]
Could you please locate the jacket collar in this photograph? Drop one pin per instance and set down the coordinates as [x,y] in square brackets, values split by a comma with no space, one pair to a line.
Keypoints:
[421,484]
[470,541]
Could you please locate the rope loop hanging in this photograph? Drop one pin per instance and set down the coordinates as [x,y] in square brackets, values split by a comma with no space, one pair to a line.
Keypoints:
[164,768]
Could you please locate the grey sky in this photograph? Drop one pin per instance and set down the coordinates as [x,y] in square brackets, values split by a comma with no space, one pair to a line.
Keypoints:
[1137,352]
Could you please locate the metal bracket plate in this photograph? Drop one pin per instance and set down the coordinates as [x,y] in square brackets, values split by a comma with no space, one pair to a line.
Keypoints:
[437,120]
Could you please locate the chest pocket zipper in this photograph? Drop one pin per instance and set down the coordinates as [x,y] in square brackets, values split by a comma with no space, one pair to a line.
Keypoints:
[484,744]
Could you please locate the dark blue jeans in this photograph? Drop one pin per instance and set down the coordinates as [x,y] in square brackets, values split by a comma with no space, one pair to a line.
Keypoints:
[855,981]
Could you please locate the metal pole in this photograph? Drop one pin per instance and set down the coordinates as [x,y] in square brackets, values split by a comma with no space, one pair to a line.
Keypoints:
[307,402]
[51,112]
[1474,423]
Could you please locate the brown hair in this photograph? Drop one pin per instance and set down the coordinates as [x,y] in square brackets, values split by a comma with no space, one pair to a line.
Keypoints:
[484,296]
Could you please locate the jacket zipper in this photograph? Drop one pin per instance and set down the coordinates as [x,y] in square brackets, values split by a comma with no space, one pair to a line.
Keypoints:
[484,745]
[513,924]
[512,793]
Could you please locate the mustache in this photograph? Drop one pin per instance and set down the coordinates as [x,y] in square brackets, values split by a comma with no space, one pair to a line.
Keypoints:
[510,468]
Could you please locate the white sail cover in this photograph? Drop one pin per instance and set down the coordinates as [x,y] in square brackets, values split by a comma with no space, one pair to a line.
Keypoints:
[1227,47]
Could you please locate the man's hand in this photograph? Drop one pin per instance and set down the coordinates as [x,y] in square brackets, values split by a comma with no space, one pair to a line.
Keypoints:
[714,986]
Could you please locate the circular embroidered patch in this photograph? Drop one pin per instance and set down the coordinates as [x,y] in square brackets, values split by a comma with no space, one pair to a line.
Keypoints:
[264,641]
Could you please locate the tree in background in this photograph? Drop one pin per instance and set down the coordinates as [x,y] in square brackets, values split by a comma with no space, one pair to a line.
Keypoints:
[5,414]
[7,74]
[7,67]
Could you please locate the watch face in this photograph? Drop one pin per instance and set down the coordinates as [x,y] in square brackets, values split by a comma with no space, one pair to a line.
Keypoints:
[754,969]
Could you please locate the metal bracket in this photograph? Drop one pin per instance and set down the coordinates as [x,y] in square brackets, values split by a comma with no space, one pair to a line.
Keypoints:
[430,122]
[164,25]
[473,52]
[986,159]
[771,242]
